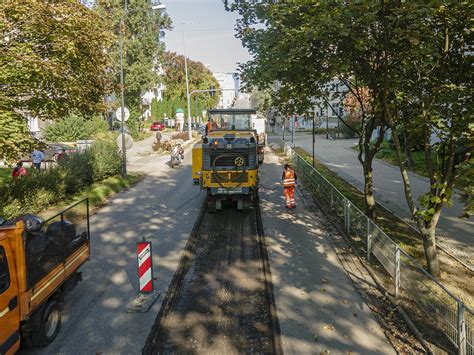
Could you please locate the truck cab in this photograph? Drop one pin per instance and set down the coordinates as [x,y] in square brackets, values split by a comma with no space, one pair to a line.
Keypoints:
[39,263]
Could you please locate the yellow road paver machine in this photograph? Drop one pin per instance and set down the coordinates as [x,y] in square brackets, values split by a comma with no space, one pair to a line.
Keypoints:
[226,161]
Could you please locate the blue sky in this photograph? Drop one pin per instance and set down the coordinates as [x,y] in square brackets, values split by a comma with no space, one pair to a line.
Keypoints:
[209,33]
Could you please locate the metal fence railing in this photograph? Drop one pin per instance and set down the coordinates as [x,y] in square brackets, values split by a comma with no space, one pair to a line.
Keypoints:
[410,280]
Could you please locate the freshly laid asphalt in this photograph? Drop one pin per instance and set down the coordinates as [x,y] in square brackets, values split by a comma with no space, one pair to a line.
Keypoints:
[338,156]
[317,305]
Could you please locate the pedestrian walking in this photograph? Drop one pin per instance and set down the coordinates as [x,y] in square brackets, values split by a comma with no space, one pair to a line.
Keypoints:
[289,179]
[19,171]
[37,157]
[158,137]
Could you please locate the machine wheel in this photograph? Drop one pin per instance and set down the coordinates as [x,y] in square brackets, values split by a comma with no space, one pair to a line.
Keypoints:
[49,324]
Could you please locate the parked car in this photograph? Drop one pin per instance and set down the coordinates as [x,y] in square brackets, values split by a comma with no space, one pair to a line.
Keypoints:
[54,152]
[157,126]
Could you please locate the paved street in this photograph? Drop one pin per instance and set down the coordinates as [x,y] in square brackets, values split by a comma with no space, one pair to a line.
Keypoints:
[162,208]
[339,157]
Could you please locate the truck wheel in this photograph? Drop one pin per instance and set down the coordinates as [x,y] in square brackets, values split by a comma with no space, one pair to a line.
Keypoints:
[49,326]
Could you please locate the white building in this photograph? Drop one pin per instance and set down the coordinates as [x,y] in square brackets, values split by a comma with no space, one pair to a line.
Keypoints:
[155,93]
[229,82]
[328,111]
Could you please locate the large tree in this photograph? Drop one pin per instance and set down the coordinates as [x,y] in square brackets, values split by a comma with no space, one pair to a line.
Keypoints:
[142,47]
[200,78]
[305,45]
[413,57]
[435,87]
[53,61]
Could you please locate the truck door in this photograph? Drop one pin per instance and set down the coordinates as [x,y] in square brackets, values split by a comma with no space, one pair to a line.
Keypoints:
[9,302]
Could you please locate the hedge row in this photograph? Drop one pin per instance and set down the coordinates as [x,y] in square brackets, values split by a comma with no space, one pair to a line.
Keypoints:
[33,193]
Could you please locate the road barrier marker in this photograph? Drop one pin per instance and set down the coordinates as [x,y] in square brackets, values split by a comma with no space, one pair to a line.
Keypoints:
[145,269]
[147,294]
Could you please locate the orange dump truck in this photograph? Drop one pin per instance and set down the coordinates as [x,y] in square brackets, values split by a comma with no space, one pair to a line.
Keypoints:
[39,262]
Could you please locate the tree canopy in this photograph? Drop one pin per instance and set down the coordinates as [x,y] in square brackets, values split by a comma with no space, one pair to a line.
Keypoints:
[408,61]
[142,47]
[174,79]
[200,78]
[53,61]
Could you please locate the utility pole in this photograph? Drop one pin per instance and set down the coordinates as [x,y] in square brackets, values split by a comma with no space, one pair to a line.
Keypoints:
[327,122]
[314,136]
[190,134]
[283,128]
[293,130]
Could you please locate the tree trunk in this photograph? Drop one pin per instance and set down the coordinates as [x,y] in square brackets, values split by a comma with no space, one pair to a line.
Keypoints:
[369,190]
[427,229]
[409,161]
[431,256]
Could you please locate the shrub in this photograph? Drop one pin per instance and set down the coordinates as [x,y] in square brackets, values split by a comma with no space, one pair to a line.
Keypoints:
[348,133]
[77,171]
[106,159]
[33,193]
[73,128]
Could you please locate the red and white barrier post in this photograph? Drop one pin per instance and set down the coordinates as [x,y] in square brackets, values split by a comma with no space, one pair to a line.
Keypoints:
[145,266]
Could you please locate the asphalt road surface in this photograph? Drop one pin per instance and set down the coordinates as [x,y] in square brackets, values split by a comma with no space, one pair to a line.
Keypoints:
[220,302]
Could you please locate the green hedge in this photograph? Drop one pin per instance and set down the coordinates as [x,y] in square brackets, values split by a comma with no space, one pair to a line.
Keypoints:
[73,128]
[33,193]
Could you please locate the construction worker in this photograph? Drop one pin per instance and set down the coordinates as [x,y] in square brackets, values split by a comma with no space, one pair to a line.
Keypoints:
[289,179]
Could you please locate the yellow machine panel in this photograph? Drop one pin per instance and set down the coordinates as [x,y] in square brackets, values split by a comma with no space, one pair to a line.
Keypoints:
[197,161]
[229,179]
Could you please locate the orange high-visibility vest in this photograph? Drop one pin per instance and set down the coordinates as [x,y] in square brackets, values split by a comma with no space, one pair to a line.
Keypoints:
[289,178]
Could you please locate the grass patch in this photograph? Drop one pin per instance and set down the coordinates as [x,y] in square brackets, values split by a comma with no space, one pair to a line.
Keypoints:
[387,154]
[98,193]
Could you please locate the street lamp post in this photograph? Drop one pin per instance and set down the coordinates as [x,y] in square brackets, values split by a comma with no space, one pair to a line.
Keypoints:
[158,6]
[188,97]
[314,133]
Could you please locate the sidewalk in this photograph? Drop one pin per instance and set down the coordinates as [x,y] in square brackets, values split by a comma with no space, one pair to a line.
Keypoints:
[318,307]
[456,233]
